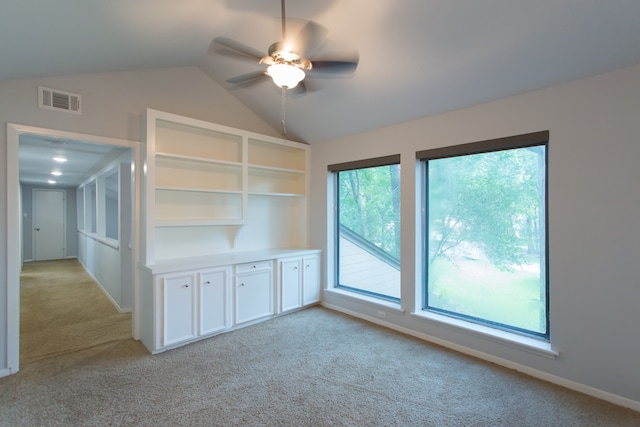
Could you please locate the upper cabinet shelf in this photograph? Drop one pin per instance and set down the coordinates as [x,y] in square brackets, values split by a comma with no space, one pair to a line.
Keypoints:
[170,156]
[204,181]
[173,138]
[277,156]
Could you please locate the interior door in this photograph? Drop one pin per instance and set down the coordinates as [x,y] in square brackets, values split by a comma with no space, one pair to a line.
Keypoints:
[48,224]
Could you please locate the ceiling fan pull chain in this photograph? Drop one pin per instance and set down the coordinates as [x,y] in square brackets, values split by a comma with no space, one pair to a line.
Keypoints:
[284,103]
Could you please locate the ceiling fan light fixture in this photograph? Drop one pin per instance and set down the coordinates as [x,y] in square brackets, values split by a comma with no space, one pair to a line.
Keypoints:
[285,75]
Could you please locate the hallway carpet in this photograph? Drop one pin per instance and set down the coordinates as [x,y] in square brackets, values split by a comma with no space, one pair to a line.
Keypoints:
[62,310]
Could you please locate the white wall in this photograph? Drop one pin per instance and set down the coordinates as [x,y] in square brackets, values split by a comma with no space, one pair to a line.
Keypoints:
[113,106]
[104,264]
[109,260]
[594,236]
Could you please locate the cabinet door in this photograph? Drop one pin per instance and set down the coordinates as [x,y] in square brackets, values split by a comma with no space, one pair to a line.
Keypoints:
[311,279]
[253,295]
[179,308]
[290,284]
[214,292]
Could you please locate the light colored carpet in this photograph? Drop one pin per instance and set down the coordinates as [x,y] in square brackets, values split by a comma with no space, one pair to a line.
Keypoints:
[62,310]
[310,368]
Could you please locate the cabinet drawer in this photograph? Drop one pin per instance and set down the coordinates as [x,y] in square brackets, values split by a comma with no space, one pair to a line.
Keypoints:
[254,266]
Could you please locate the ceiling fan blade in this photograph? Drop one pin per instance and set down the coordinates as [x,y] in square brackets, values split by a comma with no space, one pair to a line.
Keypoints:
[239,47]
[338,67]
[248,78]
[300,89]
[310,39]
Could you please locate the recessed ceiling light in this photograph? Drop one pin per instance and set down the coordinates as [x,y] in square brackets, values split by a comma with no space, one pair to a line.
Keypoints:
[56,173]
[51,181]
[60,159]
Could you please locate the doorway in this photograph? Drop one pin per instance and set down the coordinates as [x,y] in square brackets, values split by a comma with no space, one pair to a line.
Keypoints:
[15,241]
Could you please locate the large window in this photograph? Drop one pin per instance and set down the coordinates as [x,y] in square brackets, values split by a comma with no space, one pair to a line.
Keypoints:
[485,246]
[368,227]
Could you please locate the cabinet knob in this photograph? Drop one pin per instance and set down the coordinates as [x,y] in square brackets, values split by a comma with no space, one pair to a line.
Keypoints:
[207,282]
[295,268]
[186,286]
[241,284]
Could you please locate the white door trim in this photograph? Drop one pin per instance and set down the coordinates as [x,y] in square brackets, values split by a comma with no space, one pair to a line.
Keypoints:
[14,258]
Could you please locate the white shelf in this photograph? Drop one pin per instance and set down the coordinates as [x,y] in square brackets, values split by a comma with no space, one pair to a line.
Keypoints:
[276,169]
[276,194]
[197,159]
[212,188]
[197,190]
[164,223]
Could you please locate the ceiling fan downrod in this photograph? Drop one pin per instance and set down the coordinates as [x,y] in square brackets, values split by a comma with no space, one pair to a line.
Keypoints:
[284,26]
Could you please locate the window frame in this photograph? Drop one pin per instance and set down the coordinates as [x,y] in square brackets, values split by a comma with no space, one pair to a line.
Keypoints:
[334,171]
[535,139]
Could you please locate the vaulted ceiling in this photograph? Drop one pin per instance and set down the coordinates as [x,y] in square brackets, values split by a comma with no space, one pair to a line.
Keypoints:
[416,57]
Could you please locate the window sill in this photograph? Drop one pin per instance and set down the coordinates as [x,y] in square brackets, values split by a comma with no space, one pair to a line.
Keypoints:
[530,345]
[389,306]
[112,243]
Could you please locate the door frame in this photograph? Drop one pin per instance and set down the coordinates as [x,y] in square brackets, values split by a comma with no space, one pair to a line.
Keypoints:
[64,220]
[14,227]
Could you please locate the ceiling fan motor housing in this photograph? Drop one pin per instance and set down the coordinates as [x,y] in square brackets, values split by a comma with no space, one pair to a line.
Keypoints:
[282,55]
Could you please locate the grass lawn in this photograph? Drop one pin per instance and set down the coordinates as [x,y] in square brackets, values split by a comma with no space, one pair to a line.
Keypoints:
[478,289]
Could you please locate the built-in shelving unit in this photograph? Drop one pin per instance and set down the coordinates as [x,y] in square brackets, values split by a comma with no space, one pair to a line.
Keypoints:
[225,230]
[212,188]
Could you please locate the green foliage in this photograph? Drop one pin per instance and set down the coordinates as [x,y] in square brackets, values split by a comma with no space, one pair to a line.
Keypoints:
[490,202]
[370,205]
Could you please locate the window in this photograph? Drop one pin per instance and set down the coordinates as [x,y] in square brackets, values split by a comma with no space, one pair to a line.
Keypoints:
[80,207]
[90,210]
[112,209]
[368,227]
[485,245]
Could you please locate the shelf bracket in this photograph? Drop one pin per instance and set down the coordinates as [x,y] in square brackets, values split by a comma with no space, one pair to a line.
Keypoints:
[232,234]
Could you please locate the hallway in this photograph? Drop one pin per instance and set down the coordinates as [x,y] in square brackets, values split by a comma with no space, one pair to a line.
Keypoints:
[63,311]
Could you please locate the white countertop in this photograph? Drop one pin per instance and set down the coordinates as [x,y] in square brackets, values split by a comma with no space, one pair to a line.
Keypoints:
[229,258]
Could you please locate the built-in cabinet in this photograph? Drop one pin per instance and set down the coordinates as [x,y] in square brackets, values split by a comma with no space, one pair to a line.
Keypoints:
[225,233]
[178,308]
[213,300]
[192,304]
[185,300]
[311,286]
[299,281]
[253,291]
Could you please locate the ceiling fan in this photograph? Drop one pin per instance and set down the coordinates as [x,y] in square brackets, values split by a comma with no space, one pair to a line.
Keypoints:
[288,61]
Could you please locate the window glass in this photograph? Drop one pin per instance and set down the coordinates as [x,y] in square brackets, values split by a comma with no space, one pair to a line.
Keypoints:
[368,231]
[485,240]
[80,207]
[111,206]
[90,211]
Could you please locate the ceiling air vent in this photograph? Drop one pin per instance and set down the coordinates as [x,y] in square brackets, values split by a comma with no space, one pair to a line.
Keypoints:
[53,99]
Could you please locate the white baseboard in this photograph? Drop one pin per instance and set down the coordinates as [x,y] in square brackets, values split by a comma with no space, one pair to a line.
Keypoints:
[5,372]
[554,379]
